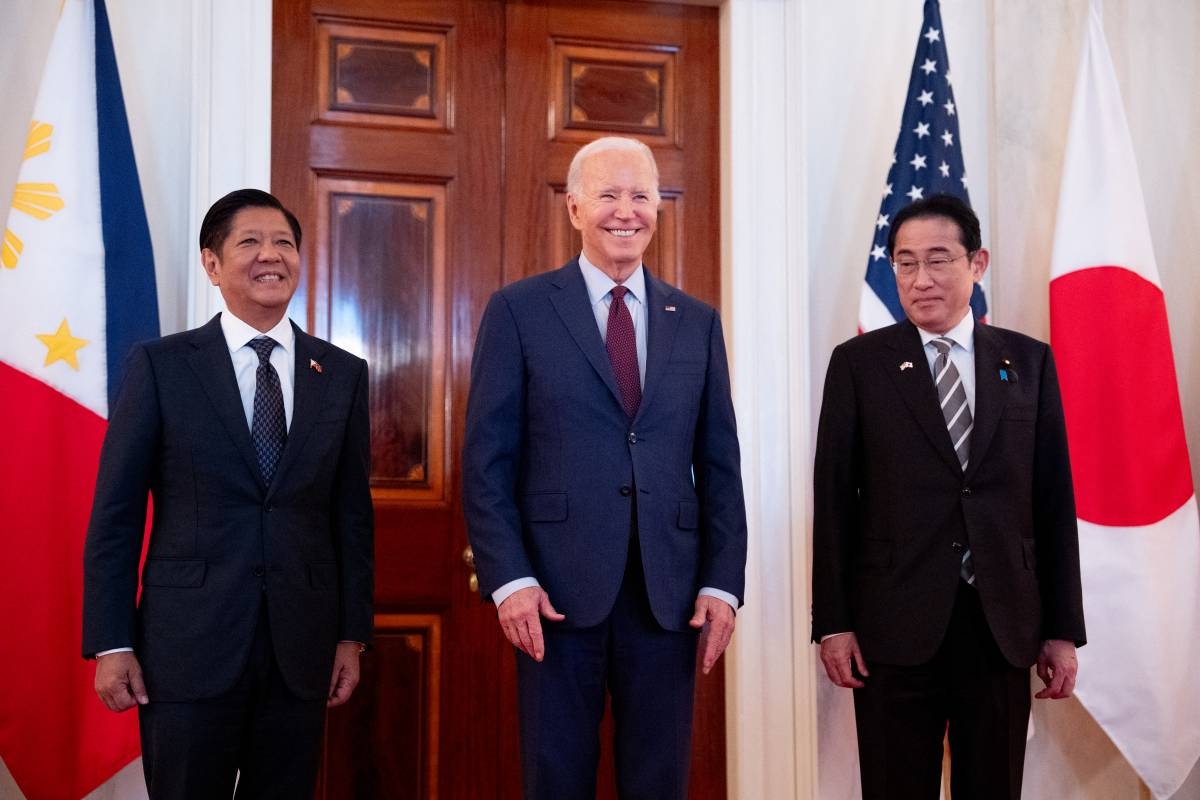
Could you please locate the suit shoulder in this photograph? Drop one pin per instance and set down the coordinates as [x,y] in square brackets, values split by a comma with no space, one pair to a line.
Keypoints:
[871,341]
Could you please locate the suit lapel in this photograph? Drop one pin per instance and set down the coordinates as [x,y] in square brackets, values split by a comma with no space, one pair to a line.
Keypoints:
[572,304]
[213,367]
[661,326]
[308,395]
[990,397]
[907,365]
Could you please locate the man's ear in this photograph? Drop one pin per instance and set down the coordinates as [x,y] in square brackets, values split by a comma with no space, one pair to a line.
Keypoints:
[573,212]
[212,266]
[979,264]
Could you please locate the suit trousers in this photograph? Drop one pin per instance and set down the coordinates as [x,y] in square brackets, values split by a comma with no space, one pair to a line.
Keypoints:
[258,734]
[902,714]
[649,673]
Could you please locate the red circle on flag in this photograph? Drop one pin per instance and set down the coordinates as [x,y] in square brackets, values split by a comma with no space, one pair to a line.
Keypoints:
[1129,458]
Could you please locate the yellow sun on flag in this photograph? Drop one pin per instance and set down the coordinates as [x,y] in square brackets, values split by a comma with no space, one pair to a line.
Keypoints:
[39,200]
[62,346]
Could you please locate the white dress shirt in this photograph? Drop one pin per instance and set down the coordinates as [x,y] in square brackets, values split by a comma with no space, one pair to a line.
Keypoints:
[238,336]
[599,288]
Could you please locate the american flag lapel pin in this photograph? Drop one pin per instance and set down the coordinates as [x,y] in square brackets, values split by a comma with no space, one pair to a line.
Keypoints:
[668,308]
[905,365]
[314,366]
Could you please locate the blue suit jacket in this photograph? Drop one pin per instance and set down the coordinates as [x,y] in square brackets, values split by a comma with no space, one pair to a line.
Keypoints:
[551,463]
[222,542]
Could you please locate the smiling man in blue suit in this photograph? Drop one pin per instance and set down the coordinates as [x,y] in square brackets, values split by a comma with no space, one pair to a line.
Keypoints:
[603,493]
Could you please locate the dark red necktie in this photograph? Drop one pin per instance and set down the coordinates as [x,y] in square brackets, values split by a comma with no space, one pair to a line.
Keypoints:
[622,351]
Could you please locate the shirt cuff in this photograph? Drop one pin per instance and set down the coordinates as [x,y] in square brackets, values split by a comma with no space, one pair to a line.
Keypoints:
[502,594]
[708,591]
[831,635]
[115,650]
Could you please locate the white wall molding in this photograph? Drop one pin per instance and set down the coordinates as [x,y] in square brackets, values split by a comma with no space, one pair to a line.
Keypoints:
[231,109]
[771,683]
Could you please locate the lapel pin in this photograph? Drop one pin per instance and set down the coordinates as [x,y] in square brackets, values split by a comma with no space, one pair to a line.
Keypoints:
[906,365]
[1007,373]
[669,308]
[313,365]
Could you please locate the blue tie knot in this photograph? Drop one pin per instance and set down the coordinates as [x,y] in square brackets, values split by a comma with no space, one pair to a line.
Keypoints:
[263,345]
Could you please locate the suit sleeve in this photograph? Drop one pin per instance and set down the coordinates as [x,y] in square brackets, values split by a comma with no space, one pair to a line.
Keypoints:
[1054,521]
[717,463]
[354,520]
[492,450]
[835,500]
[117,527]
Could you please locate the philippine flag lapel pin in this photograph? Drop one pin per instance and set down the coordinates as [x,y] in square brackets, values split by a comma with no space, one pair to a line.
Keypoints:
[905,365]
[314,366]
[668,308]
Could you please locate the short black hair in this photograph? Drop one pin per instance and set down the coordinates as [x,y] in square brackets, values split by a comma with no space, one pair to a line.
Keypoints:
[219,218]
[946,206]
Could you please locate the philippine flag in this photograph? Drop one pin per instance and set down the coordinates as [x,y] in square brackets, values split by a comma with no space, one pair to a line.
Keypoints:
[1139,539]
[76,289]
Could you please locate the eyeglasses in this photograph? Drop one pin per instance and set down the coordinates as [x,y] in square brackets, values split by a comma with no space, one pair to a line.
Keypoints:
[935,266]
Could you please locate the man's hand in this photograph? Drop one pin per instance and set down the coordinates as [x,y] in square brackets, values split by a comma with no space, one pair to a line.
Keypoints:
[715,618]
[521,620]
[345,673]
[1057,667]
[841,656]
[119,681]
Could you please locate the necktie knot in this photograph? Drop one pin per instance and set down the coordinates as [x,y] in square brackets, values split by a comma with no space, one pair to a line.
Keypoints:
[263,345]
[943,344]
[619,292]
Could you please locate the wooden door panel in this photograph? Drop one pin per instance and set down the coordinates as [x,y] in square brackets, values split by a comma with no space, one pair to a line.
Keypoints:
[424,145]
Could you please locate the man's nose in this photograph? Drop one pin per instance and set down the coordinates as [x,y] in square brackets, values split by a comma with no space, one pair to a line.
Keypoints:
[624,206]
[268,252]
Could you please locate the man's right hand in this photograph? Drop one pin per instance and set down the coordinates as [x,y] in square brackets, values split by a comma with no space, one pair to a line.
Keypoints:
[119,681]
[521,619]
[841,656]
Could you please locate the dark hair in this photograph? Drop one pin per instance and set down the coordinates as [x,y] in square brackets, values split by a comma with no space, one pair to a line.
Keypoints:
[219,218]
[946,206]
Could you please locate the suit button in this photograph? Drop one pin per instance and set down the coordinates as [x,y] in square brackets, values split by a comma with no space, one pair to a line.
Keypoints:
[259,571]
[632,438]
[966,492]
[626,491]
[270,509]
[957,547]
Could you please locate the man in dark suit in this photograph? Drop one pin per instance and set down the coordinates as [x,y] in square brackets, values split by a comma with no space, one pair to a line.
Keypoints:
[945,554]
[602,490]
[251,438]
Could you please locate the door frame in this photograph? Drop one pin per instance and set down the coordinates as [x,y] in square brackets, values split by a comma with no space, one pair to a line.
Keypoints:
[771,747]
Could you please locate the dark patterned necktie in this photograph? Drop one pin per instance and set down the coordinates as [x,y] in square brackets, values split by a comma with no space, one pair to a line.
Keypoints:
[622,351]
[268,431]
[953,397]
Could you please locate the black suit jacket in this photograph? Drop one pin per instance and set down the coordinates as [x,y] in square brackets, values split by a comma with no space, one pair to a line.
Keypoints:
[893,508]
[222,542]
[551,461]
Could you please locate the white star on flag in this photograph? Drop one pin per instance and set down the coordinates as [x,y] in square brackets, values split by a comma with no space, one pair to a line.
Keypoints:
[915,193]
[933,35]
[929,67]
[926,98]
[948,138]
[922,130]
[918,162]
[882,222]
[877,252]
[944,168]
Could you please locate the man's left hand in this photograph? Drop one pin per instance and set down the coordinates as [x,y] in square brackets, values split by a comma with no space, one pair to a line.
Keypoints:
[715,618]
[345,673]
[1057,667]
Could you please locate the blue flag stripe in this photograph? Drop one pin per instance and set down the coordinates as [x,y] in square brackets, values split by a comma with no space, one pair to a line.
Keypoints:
[131,299]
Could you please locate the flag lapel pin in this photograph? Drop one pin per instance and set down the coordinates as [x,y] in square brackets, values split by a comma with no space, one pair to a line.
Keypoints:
[314,366]
[668,308]
[905,365]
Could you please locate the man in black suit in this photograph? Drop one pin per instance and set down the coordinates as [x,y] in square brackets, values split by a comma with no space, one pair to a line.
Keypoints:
[945,553]
[251,439]
[603,494]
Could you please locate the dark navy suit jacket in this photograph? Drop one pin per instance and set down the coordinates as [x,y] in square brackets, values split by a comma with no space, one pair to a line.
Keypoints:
[222,542]
[893,508]
[552,464]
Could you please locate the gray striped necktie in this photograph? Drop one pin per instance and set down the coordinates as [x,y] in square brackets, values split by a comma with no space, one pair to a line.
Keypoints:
[952,396]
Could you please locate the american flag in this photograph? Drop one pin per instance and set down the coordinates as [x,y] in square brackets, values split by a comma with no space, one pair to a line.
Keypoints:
[927,161]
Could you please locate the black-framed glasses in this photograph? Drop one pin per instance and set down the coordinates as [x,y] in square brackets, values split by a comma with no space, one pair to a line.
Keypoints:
[907,266]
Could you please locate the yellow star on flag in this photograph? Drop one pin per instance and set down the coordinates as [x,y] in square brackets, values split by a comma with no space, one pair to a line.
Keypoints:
[62,346]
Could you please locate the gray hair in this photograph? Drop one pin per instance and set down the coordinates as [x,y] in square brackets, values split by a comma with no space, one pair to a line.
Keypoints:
[604,144]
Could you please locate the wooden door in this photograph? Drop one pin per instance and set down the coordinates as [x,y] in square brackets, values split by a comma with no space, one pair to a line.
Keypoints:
[419,144]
